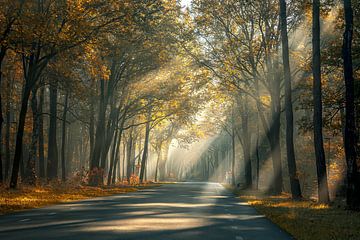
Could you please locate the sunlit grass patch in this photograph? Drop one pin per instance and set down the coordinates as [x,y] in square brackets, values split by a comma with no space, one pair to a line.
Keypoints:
[27,197]
[306,219]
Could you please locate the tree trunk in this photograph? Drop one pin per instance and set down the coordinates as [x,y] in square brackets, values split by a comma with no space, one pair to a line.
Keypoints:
[157,164]
[129,156]
[19,136]
[318,122]
[63,138]
[117,159]
[146,146]
[91,130]
[2,56]
[52,165]
[117,153]
[95,178]
[353,175]
[233,156]
[41,134]
[123,161]
[30,168]
[7,137]
[112,156]
[294,180]
[246,144]
[257,157]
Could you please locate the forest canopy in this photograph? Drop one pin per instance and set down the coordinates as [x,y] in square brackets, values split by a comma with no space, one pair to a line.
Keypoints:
[258,94]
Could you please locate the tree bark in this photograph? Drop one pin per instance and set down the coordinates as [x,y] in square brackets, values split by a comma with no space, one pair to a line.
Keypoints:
[19,136]
[323,191]
[99,137]
[2,56]
[233,156]
[30,168]
[129,156]
[117,159]
[52,166]
[351,140]
[294,180]
[112,156]
[246,143]
[63,138]
[158,162]
[41,134]
[7,137]
[146,148]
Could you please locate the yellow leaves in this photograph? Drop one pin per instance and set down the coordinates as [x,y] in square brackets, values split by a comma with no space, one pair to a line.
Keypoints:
[97,66]
[265,99]
[34,197]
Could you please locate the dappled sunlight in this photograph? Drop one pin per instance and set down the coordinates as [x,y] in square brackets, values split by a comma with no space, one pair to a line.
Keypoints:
[163,204]
[179,119]
[149,224]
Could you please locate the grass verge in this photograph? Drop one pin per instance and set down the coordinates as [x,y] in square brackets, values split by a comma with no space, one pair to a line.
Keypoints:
[27,197]
[306,219]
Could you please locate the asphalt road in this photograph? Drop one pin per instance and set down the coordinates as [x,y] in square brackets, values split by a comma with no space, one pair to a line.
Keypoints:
[175,211]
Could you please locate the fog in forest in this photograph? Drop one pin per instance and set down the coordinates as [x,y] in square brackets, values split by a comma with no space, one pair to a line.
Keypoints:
[250,94]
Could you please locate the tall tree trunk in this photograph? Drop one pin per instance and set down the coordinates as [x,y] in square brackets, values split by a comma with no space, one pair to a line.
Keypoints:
[30,168]
[112,156]
[91,130]
[52,166]
[96,177]
[117,159]
[246,143]
[351,143]
[129,156]
[233,155]
[123,161]
[323,191]
[257,156]
[117,153]
[20,135]
[7,137]
[146,149]
[294,180]
[63,138]
[157,163]
[41,134]
[2,56]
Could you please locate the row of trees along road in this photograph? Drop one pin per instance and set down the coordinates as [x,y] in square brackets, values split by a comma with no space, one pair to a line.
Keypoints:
[86,83]
[265,59]
[89,89]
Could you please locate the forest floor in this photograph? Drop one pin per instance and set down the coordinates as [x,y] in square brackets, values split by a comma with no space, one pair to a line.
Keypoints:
[27,197]
[306,219]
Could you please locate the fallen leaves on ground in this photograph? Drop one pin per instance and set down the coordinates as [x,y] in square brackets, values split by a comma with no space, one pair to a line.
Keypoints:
[26,197]
[306,219]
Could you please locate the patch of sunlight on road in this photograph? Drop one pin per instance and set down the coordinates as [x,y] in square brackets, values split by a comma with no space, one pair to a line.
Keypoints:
[149,224]
[212,197]
[177,205]
[139,213]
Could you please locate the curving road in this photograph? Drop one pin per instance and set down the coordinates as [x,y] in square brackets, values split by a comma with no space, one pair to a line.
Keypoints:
[172,211]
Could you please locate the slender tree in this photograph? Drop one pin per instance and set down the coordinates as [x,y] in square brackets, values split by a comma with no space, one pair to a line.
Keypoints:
[63,138]
[294,181]
[323,192]
[353,176]
[52,164]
